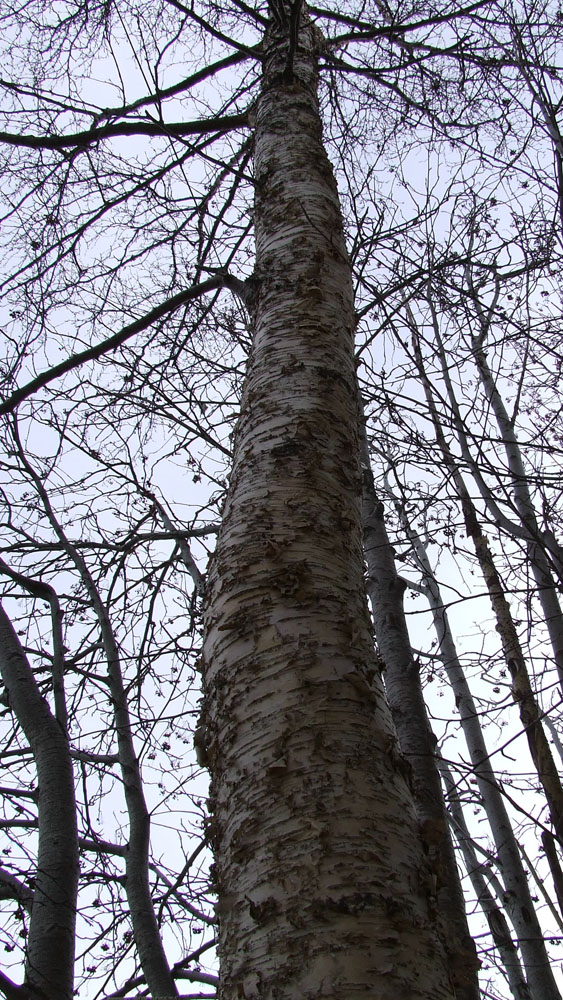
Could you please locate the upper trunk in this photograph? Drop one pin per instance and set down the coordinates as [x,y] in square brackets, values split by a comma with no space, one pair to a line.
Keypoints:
[320,874]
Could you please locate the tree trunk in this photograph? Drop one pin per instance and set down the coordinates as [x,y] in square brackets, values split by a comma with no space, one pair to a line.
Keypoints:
[416,740]
[522,692]
[538,543]
[539,563]
[146,931]
[479,876]
[49,973]
[548,843]
[321,877]
[518,900]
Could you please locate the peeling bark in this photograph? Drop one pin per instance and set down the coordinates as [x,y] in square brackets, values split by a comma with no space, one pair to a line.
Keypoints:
[321,876]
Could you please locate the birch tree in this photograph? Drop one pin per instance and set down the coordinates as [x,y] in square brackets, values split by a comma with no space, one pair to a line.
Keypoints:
[213,214]
[294,714]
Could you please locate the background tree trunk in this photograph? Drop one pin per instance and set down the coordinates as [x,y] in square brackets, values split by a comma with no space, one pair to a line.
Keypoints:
[50,947]
[522,690]
[416,741]
[517,898]
[480,876]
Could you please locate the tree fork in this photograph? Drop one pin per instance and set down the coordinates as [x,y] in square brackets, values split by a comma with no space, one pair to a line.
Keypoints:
[321,877]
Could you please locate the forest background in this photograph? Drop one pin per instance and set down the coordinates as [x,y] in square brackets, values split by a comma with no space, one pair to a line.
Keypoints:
[128,281]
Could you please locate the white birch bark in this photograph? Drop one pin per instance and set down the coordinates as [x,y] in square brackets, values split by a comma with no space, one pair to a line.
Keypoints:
[321,878]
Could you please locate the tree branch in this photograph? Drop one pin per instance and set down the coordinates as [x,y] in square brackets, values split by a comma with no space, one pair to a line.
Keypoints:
[11,991]
[98,350]
[81,140]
